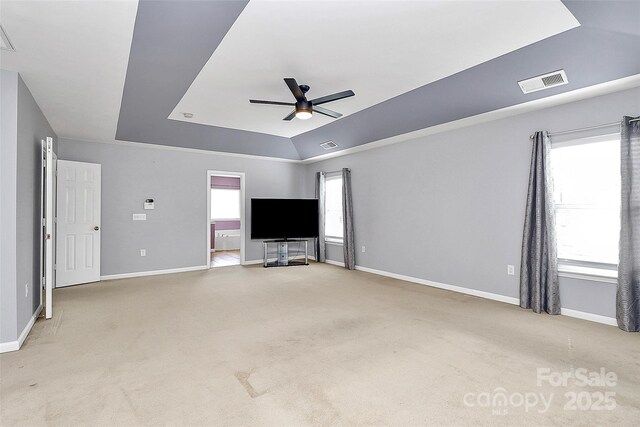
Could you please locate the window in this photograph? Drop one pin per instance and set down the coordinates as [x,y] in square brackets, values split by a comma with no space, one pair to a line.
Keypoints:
[333,209]
[586,175]
[225,203]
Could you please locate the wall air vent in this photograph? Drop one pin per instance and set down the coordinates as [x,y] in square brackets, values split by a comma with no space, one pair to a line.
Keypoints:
[328,145]
[5,43]
[545,81]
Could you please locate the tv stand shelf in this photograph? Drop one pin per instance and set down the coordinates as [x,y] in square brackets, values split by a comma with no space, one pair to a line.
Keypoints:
[282,253]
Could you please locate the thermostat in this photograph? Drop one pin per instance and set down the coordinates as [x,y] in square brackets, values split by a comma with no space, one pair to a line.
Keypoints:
[148,204]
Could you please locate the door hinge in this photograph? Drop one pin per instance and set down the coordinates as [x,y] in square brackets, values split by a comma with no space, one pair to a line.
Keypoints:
[44,222]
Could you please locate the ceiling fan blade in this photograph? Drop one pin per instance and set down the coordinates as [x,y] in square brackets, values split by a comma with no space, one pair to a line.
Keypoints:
[295,89]
[258,101]
[334,97]
[326,112]
[290,116]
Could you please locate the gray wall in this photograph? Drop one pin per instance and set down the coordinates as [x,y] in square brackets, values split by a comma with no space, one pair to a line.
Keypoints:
[23,128]
[174,234]
[8,188]
[456,201]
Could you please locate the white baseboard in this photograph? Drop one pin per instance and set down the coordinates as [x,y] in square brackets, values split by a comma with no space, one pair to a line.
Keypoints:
[482,294]
[473,292]
[338,263]
[6,347]
[153,273]
[589,316]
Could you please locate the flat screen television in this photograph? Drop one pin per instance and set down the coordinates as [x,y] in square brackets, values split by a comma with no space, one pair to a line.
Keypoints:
[284,218]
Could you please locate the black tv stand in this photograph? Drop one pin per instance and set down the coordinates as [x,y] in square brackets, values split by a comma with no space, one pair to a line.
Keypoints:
[282,253]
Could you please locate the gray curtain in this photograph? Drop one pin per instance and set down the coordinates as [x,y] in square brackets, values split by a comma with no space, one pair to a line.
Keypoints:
[628,295]
[539,288]
[320,248]
[348,245]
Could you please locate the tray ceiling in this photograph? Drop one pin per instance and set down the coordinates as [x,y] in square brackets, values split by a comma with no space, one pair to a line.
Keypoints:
[379,51]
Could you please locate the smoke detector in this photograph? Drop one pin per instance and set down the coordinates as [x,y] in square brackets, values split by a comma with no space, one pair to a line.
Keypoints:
[5,43]
[328,145]
[545,81]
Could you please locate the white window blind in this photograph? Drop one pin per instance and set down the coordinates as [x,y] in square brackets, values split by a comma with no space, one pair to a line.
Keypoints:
[333,221]
[225,203]
[586,178]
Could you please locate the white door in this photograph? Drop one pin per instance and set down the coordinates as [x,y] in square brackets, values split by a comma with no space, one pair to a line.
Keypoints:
[49,230]
[78,241]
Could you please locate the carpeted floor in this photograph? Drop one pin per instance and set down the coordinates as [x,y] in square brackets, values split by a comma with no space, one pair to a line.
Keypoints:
[314,345]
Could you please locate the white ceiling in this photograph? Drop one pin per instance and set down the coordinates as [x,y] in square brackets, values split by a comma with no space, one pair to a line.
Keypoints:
[73,56]
[379,49]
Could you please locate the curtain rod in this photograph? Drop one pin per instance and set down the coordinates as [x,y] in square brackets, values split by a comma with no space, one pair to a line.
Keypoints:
[588,128]
[336,172]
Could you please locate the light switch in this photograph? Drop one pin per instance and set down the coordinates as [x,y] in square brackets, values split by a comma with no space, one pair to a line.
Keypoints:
[139,217]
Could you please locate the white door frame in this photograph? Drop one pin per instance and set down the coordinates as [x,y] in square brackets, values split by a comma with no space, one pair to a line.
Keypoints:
[43,174]
[49,229]
[211,173]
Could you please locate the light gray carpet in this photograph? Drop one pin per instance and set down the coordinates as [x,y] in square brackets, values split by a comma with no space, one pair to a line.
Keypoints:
[314,345]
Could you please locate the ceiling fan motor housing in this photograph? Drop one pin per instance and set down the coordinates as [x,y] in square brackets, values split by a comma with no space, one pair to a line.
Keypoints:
[304,105]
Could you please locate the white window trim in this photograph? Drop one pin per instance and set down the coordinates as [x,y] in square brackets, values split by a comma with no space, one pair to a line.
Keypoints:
[224,219]
[586,272]
[333,241]
[587,140]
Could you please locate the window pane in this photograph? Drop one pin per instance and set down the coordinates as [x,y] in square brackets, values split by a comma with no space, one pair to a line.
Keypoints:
[588,234]
[586,180]
[587,174]
[225,204]
[333,207]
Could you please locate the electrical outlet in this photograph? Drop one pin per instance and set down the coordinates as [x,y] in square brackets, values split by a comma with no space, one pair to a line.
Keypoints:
[26,289]
[363,249]
[143,252]
[511,270]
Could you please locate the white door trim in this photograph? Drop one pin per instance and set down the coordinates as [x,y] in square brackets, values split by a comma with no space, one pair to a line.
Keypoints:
[49,230]
[211,173]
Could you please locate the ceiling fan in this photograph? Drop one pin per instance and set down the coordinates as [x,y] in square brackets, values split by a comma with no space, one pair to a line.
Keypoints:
[303,107]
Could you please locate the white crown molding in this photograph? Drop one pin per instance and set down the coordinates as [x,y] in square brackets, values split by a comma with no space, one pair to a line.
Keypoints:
[183,149]
[514,110]
[6,347]
[538,104]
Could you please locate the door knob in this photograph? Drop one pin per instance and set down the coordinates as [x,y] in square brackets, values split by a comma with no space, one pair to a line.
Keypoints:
[96,228]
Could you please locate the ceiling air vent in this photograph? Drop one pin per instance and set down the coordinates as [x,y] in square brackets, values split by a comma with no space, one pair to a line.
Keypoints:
[328,145]
[545,81]
[5,43]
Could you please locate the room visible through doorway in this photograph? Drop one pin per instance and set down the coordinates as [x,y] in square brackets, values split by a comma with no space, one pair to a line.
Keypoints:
[225,219]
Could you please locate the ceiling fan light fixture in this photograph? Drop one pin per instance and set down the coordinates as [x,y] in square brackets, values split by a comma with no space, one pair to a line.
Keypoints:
[303,114]
[304,110]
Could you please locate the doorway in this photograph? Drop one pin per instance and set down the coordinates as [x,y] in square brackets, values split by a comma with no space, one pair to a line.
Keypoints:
[225,219]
